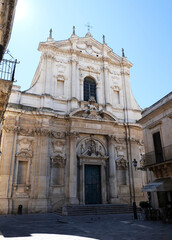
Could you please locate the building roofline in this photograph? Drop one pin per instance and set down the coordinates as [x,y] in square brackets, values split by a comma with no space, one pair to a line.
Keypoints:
[157,104]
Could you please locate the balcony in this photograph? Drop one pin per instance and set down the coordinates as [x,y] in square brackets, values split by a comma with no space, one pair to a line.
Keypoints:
[160,164]
[7,71]
[151,158]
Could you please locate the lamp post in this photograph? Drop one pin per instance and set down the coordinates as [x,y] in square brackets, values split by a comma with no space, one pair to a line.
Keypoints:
[134,197]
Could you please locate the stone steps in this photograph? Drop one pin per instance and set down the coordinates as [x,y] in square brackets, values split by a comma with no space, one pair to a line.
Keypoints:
[102,209]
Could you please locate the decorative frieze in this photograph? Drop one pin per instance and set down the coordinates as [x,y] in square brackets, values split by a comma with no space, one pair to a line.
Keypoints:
[72,134]
[33,131]
[58,134]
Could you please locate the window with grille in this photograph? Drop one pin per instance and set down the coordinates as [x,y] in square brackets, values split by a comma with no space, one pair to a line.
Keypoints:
[89,89]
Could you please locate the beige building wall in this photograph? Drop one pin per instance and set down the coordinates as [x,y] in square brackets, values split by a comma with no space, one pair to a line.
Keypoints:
[158,160]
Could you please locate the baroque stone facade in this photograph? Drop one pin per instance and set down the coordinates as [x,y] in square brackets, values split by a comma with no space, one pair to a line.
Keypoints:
[60,149]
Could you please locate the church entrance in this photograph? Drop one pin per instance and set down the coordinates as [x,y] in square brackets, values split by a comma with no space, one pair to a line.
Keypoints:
[92,184]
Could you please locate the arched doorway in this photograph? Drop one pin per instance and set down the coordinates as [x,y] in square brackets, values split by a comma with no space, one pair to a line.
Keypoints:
[92,162]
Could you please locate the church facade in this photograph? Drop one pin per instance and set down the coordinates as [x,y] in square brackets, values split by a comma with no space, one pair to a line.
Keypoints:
[72,136]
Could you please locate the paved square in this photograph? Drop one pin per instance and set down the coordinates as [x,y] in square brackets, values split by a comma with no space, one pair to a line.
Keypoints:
[102,227]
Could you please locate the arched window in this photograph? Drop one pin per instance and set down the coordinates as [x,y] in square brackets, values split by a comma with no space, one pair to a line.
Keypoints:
[89,89]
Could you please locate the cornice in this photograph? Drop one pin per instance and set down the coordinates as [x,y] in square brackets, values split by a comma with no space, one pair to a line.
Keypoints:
[115,60]
[154,124]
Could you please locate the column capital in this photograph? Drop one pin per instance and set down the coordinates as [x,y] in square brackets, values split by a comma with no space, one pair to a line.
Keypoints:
[74,61]
[73,134]
[111,137]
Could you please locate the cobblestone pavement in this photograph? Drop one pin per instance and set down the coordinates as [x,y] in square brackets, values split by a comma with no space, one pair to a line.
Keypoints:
[102,227]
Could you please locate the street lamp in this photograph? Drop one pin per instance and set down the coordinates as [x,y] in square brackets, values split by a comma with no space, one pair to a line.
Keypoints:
[134,197]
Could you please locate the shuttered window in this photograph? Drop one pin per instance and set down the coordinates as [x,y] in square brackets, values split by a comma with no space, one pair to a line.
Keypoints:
[89,89]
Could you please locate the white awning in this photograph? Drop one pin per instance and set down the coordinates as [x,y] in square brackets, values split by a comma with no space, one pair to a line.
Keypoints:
[159,185]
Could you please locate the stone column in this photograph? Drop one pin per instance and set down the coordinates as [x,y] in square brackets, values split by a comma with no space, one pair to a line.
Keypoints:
[73,199]
[112,170]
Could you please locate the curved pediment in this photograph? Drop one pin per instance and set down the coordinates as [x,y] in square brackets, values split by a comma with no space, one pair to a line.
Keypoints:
[93,114]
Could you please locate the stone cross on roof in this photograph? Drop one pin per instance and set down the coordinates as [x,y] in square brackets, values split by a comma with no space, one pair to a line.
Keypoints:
[88,26]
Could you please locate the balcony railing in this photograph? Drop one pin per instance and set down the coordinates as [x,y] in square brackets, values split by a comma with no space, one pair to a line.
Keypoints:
[7,69]
[152,158]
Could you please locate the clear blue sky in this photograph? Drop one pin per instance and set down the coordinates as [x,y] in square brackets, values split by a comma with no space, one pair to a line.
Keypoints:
[142,27]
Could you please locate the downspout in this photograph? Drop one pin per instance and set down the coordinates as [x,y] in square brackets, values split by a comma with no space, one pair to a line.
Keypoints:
[126,127]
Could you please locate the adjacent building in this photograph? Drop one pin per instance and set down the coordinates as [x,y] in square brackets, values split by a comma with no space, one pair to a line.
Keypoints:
[157,132]
[7,68]
[70,139]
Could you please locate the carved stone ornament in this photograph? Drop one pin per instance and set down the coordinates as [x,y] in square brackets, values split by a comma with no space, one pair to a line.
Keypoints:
[88,47]
[91,147]
[118,140]
[24,154]
[121,163]
[116,88]
[120,150]
[90,112]
[59,146]
[9,129]
[48,55]
[136,140]
[60,77]
[58,134]
[58,161]
[25,144]
[72,134]
[92,105]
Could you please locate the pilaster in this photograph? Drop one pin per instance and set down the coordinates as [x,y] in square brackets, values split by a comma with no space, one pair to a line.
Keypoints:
[7,168]
[73,198]
[112,170]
